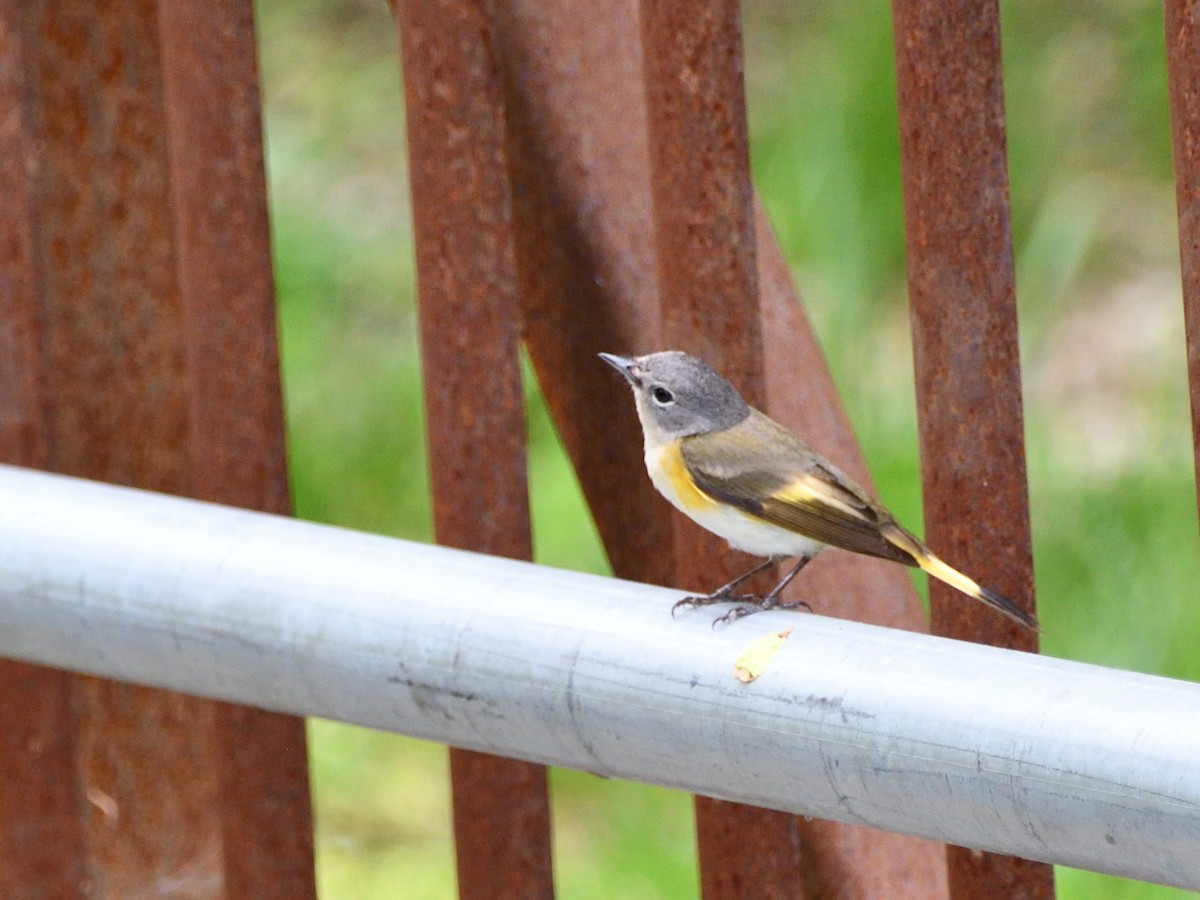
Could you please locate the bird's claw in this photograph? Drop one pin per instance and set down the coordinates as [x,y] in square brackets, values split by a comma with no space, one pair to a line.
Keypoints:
[750,604]
[759,605]
[738,612]
[695,602]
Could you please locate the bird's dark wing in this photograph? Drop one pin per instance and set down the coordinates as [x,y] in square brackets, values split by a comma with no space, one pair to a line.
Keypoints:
[763,469]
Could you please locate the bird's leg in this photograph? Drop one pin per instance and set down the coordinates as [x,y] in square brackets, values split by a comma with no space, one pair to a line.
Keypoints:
[725,592]
[771,601]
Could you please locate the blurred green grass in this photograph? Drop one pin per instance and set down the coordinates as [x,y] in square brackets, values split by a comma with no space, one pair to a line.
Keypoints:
[1112,493]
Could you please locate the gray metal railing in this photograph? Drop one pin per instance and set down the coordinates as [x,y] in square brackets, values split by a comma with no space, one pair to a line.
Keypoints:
[1041,758]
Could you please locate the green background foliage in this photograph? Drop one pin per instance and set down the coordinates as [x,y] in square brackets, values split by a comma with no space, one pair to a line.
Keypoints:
[1110,466]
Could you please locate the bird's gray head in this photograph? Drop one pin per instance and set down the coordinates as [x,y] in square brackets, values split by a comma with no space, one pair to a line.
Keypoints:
[679,395]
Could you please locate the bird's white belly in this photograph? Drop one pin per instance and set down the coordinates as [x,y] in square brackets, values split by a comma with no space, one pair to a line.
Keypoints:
[741,530]
[744,532]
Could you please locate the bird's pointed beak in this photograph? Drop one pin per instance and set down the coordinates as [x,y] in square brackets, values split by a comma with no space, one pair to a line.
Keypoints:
[626,365]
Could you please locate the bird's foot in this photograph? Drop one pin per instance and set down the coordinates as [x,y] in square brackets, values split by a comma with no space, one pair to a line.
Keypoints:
[768,602]
[721,596]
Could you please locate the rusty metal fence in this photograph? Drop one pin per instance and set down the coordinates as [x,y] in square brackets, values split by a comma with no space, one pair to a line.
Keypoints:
[580,183]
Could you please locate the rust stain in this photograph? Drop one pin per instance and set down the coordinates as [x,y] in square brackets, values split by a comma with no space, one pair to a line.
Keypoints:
[703,209]
[219,207]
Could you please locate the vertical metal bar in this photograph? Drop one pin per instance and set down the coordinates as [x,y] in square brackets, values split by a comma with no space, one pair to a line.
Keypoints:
[22,432]
[1183,71]
[237,453]
[135,788]
[708,296]
[964,323]
[700,181]
[114,367]
[579,155]
[116,410]
[470,333]
[41,835]
[218,190]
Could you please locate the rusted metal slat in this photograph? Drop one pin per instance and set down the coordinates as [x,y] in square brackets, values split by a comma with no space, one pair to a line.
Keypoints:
[41,834]
[236,452]
[708,295]
[470,332]
[1183,70]
[578,151]
[22,432]
[147,771]
[104,268]
[961,288]
[700,181]
[218,192]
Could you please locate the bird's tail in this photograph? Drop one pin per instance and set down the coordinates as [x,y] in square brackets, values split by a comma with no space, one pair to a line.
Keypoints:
[943,571]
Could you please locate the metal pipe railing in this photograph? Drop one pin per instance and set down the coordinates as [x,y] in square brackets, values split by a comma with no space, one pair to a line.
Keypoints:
[1036,757]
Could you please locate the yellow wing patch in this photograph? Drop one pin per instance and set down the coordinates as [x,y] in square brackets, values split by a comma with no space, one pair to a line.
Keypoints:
[673,471]
[807,488]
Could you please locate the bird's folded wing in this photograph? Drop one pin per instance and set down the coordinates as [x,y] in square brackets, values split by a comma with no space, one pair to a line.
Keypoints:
[803,495]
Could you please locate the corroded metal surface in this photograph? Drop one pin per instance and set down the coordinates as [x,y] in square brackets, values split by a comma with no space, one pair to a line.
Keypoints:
[223,253]
[470,331]
[108,306]
[1183,69]
[23,438]
[964,324]
[236,452]
[104,385]
[501,827]
[700,182]
[41,835]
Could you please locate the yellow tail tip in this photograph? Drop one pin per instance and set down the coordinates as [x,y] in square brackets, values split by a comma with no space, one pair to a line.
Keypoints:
[925,558]
[957,580]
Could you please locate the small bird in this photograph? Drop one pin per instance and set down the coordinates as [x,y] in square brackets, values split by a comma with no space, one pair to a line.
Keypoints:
[754,483]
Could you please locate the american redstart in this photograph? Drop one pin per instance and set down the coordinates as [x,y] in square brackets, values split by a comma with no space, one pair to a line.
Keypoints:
[749,480]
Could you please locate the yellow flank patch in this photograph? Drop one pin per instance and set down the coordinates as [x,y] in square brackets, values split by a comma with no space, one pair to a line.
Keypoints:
[673,472]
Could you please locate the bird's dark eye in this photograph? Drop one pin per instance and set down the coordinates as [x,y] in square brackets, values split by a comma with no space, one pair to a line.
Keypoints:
[662,396]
